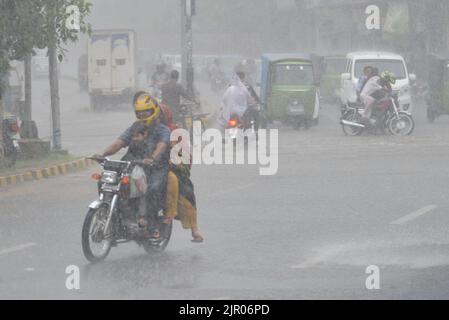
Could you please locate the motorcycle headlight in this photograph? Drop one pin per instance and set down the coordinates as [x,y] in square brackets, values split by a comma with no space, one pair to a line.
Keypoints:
[109,177]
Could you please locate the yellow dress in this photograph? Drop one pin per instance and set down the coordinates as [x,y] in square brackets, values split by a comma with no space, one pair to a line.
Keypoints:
[178,206]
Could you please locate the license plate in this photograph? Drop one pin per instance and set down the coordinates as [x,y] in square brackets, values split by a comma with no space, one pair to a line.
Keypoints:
[298,108]
[295,111]
[16,144]
[233,132]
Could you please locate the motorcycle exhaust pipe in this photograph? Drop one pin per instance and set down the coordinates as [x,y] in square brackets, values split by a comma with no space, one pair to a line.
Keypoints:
[352,124]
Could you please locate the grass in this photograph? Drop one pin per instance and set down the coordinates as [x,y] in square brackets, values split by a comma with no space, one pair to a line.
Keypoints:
[38,163]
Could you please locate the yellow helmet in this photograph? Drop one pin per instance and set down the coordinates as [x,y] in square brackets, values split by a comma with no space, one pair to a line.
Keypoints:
[147,109]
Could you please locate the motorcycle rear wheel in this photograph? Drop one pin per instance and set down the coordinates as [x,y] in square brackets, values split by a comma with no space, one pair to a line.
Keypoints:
[349,130]
[91,228]
[166,232]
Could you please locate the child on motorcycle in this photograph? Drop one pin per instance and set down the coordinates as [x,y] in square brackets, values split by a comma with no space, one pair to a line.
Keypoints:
[137,151]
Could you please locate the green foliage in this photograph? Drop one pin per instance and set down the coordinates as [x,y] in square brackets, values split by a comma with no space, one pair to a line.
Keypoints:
[54,29]
[18,20]
[27,24]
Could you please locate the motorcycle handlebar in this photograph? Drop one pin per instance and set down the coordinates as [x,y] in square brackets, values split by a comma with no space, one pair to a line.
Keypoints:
[190,104]
[102,160]
[97,159]
[141,163]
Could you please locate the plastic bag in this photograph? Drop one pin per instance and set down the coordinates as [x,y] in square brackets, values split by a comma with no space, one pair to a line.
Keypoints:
[138,181]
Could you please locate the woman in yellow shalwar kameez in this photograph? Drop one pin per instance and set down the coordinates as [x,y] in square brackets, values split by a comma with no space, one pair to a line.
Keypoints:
[180,201]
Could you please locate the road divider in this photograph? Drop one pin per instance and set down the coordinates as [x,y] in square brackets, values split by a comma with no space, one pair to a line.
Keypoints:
[45,173]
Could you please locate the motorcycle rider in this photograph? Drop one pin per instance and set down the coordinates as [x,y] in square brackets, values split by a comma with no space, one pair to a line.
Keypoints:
[172,92]
[381,88]
[371,86]
[137,150]
[362,80]
[157,143]
[161,75]
[235,100]
[181,200]
[216,74]
[386,80]
[251,111]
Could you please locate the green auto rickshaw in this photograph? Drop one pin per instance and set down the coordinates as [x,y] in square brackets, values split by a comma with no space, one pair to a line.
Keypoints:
[289,91]
[438,95]
[332,68]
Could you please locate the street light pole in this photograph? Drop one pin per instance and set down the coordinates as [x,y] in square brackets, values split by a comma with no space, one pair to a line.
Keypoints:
[187,11]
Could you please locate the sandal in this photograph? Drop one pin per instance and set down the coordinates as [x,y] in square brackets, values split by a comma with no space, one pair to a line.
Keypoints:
[156,235]
[197,239]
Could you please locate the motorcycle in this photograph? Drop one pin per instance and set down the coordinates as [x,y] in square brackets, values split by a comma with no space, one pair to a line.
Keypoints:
[187,118]
[156,92]
[218,83]
[112,219]
[242,125]
[10,149]
[386,117]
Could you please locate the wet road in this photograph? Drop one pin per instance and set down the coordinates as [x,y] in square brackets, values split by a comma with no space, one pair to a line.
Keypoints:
[336,206]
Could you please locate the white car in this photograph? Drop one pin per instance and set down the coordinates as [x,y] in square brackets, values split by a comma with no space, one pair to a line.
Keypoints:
[357,61]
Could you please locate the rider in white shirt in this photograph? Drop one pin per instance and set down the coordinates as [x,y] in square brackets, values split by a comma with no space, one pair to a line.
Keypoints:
[235,100]
[372,85]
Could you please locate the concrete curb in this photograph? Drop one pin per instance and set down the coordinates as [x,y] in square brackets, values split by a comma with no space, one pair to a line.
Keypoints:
[45,173]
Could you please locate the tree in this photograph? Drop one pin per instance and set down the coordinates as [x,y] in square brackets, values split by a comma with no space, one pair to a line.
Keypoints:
[18,36]
[51,24]
[64,20]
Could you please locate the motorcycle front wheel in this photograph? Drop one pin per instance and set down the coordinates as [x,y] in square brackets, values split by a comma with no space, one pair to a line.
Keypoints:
[95,241]
[401,125]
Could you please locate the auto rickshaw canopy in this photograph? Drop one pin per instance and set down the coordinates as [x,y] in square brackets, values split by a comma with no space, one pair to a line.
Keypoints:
[276,58]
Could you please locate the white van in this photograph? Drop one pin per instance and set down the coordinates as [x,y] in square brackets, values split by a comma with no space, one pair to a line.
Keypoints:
[111,66]
[357,61]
